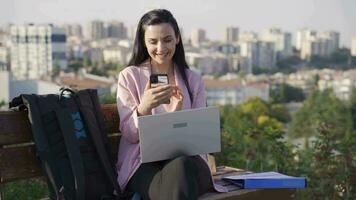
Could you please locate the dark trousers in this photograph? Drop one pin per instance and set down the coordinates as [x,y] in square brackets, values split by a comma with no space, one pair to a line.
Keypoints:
[185,177]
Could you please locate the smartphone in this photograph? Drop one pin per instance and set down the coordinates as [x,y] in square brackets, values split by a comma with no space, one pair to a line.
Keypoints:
[159,79]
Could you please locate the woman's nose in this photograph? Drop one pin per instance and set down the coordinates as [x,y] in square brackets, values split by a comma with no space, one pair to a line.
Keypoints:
[160,46]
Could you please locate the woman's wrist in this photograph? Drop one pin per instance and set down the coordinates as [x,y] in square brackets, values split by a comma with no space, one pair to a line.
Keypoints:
[141,111]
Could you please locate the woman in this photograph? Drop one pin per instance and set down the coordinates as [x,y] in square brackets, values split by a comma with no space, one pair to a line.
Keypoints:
[158,49]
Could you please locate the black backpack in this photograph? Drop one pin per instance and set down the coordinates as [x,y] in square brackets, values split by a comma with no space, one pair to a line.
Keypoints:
[72,145]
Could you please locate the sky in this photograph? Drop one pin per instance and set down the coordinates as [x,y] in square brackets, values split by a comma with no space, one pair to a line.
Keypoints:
[211,15]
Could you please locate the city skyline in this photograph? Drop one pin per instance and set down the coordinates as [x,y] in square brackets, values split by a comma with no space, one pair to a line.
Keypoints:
[212,16]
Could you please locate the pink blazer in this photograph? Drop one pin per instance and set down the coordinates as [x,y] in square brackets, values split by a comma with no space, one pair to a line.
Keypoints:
[131,84]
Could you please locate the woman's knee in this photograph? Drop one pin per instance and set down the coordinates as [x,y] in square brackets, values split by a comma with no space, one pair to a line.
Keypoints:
[183,165]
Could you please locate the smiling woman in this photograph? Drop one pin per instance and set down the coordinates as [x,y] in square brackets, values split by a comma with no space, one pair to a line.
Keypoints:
[158,49]
[161,41]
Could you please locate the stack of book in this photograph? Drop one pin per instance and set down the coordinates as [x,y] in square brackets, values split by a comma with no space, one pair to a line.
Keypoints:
[266,180]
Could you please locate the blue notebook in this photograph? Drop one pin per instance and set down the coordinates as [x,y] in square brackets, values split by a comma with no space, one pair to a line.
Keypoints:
[266,180]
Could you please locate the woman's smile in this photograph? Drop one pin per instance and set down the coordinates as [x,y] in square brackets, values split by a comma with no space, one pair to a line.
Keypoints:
[162,56]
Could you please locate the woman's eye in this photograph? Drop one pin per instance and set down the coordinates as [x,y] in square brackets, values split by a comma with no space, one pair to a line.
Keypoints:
[168,41]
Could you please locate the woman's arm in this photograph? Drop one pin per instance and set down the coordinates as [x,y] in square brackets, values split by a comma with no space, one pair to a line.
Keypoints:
[199,96]
[127,102]
[130,105]
[199,101]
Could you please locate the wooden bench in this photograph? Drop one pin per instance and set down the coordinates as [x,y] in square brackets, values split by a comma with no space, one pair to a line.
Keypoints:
[18,160]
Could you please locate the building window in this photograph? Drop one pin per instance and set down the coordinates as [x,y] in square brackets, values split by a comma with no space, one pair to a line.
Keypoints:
[58,38]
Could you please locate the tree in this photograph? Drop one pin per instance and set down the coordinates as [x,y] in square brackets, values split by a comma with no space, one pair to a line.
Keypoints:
[113,68]
[287,65]
[252,138]
[98,71]
[254,107]
[326,165]
[2,103]
[108,98]
[338,59]
[56,69]
[320,107]
[75,65]
[280,112]
[353,61]
[262,70]
[285,93]
[352,105]
[340,56]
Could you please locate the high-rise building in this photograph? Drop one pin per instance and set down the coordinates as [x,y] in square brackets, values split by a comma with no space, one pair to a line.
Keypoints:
[353,46]
[2,36]
[315,46]
[303,35]
[198,36]
[266,55]
[37,50]
[260,54]
[116,29]
[231,34]
[4,58]
[118,54]
[73,30]
[334,38]
[5,35]
[248,50]
[96,30]
[248,36]
[282,41]
[311,43]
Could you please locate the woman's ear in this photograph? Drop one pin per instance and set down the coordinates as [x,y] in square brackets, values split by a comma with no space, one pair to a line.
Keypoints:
[178,38]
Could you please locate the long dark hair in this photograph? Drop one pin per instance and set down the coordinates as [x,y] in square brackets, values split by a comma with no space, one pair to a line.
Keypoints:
[140,54]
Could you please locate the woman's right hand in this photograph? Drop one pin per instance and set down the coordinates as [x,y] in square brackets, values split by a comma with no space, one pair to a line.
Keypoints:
[153,97]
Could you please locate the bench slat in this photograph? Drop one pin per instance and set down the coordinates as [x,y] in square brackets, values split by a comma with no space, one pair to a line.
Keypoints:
[21,162]
[18,163]
[15,127]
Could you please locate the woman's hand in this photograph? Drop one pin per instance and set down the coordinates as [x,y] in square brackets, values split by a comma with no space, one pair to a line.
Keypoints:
[177,98]
[153,97]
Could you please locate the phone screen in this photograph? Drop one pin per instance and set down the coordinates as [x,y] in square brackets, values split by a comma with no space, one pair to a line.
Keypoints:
[159,79]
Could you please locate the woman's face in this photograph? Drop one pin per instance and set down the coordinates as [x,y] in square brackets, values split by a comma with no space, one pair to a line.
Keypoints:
[161,41]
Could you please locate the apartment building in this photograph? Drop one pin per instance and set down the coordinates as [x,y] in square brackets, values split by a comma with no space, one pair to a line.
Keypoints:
[233,92]
[37,50]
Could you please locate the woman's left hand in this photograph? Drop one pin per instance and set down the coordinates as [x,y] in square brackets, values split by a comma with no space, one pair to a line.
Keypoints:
[177,98]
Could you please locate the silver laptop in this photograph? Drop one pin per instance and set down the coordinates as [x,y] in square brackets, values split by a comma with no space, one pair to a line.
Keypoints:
[188,132]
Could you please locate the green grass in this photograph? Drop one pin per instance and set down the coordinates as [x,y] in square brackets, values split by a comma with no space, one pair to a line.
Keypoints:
[32,189]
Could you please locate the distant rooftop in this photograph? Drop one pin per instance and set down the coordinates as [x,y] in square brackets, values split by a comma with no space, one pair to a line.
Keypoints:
[83,81]
[210,83]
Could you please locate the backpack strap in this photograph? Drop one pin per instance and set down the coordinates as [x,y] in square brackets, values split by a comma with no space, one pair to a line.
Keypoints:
[67,127]
[76,180]
[96,130]
[100,118]
[42,146]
